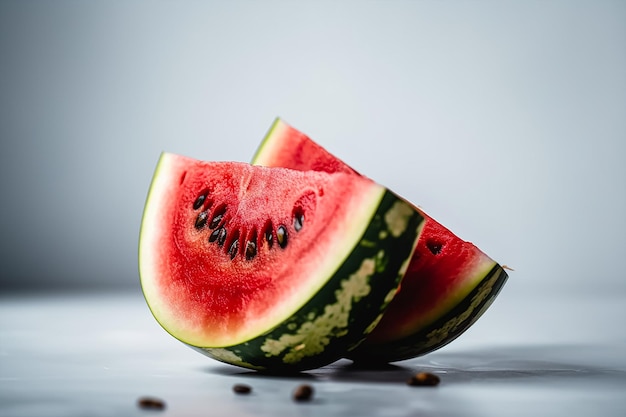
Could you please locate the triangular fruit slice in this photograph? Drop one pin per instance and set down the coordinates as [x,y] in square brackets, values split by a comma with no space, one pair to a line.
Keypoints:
[271,268]
[449,282]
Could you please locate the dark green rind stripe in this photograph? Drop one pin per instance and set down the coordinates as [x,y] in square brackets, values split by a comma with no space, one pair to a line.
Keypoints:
[346,309]
[440,333]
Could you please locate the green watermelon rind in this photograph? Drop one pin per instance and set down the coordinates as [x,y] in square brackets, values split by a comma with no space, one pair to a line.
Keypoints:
[444,330]
[347,308]
[266,143]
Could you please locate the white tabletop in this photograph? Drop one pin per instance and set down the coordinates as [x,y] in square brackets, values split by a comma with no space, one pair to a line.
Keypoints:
[97,354]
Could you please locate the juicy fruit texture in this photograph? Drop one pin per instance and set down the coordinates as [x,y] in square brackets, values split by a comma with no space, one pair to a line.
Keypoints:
[271,268]
[449,282]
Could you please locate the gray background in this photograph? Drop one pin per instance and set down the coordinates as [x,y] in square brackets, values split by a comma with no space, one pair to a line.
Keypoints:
[506,121]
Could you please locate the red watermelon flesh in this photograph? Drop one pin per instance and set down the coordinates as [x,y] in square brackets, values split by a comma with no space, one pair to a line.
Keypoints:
[442,271]
[444,268]
[220,292]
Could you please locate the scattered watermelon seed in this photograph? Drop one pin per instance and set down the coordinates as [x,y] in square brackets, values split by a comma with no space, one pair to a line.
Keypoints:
[269,234]
[298,221]
[242,389]
[303,393]
[201,220]
[151,403]
[234,248]
[423,379]
[250,250]
[199,201]
[434,247]
[221,236]
[213,236]
[281,236]
[216,221]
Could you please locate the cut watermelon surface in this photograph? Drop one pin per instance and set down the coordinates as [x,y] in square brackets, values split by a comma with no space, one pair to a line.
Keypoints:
[271,268]
[449,282]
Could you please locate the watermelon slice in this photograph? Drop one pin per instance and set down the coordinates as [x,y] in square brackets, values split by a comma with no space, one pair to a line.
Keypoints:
[449,282]
[271,268]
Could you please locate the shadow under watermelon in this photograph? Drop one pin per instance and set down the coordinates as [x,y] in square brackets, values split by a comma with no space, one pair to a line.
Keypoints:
[502,364]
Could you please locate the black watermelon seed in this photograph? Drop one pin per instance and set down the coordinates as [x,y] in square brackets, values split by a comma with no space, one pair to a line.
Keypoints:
[234,248]
[298,221]
[213,236]
[281,236]
[269,235]
[250,250]
[434,247]
[199,201]
[303,393]
[201,220]
[216,221]
[221,236]
[424,379]
[242,389]
[150,403]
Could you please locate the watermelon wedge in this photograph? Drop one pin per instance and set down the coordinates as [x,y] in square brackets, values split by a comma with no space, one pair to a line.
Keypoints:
[271,268]
[449,282]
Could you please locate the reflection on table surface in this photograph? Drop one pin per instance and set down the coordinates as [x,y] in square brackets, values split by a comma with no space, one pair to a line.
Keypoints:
[89,354]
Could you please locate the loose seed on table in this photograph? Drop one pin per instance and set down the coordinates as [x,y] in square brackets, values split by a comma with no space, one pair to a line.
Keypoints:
[303,393]
[242,389]
[423,379]
[151,403]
